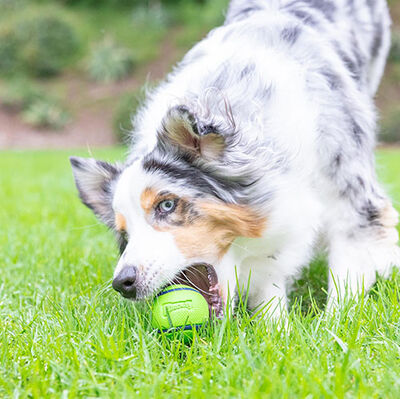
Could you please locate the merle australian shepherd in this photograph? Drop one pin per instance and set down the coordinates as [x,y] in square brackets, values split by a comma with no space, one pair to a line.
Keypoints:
[257,150]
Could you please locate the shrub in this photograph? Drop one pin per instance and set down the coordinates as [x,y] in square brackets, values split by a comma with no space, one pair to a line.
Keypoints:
[9,49]
[46,113]
[123,113]
[41,45]
[155,16]
[36,107]
[123,3]
[47,44]
[109,63]
[391,127]
[10,4]
[395,49]
[96,3]
[19,94]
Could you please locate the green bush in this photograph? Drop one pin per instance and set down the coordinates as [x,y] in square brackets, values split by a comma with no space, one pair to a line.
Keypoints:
[122,3]
[108,62]
[48,43]
[40,45]
[156,16]
[46,112]
[9,50]
[36,107]
[395,48]
[123,113]
[391,127]
[19,94]
[96,3]
[6,5]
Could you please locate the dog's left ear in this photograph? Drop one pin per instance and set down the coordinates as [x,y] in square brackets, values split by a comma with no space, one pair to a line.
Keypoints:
[182,129]
[94,180]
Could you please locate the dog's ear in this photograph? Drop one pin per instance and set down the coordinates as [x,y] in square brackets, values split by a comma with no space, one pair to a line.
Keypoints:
[182,129]
[94,180]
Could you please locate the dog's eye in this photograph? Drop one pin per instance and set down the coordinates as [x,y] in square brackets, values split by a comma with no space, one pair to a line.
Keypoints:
[166,206]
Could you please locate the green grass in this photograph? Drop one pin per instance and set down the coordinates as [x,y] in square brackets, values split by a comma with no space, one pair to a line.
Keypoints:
[65,333]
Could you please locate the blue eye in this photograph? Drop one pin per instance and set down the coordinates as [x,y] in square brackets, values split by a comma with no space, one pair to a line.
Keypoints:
[166,206]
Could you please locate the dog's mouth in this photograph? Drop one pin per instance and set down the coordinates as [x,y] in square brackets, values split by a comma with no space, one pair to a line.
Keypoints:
[203,278]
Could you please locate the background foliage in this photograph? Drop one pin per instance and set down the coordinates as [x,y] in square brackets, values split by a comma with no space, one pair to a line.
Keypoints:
[109,41]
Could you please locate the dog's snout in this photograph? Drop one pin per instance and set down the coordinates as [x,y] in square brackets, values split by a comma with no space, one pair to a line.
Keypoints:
[125,282]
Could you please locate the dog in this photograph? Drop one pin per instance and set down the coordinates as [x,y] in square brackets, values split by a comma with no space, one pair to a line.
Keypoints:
[256,150]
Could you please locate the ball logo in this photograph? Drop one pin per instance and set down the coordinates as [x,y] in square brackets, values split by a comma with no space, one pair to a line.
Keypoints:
[170,307]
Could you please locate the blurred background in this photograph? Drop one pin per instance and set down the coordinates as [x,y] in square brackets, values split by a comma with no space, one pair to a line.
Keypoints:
[72,72]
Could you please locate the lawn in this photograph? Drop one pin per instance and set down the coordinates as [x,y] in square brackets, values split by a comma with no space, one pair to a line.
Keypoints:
[65,333]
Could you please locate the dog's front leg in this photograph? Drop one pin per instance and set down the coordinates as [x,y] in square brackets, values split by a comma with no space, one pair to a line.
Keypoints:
[227,277]
[267,287]
[358,252]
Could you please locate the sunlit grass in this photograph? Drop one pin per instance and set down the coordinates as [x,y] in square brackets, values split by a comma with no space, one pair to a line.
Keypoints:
[65,333]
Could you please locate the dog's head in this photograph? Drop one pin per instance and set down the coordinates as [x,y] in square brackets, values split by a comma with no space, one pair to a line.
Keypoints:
[172,208]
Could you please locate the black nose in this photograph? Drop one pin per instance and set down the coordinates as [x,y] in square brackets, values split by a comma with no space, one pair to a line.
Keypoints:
[125,281]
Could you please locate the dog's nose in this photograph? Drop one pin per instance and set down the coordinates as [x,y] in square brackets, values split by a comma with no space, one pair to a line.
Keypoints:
[124,282]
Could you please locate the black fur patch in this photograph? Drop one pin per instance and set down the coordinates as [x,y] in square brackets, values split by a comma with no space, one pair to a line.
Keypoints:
[182,171]
[201,178]
[245,12]
[122,240]
[357,133]
[304,16]
[359,59]
[247,70]
[334,81]
[370,213]
[337,161]
[290,34]
[326,7]
[76,162]
[378,38]
[350,64]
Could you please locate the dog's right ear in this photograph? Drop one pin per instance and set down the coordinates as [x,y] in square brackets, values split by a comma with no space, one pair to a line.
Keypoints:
[183,130]
[95,180]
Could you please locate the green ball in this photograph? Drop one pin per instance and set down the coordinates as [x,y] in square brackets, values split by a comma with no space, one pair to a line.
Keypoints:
[179,309]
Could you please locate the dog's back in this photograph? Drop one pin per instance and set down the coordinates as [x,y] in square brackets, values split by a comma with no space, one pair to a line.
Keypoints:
[359,30]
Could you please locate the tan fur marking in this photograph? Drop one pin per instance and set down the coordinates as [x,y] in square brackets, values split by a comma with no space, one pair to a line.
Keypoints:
[389,216]
[204,228]
[389,219]
[203,240]
[213,233]
[241,220]
[179,133]
[120,222]
[212,146]
[147,199]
